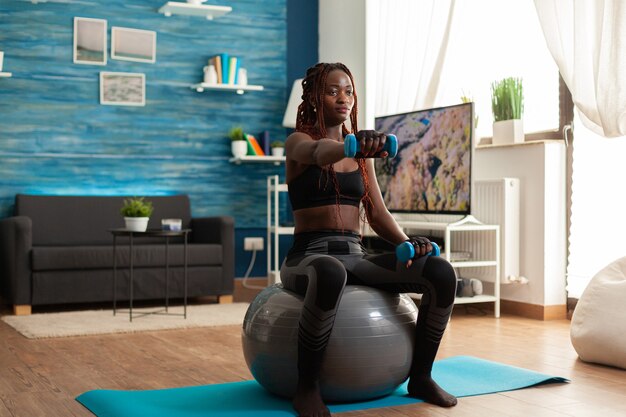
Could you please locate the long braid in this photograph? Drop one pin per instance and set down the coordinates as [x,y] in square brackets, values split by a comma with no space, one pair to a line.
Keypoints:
[311,121]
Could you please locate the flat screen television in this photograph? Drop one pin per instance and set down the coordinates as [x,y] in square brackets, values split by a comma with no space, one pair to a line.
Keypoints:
[432,171]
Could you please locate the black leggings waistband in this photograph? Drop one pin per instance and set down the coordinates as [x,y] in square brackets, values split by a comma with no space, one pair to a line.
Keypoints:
[331,242]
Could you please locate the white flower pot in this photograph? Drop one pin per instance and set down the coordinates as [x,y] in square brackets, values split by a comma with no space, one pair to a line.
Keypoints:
[136,224]
[278,151]
[506,132]
[239,148]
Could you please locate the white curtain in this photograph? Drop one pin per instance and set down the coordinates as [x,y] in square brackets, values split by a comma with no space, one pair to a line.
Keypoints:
[598,224]
[587,39]
[410,45]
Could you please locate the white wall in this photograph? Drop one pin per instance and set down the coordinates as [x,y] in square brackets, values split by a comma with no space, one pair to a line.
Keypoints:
[342,38]
[540,166]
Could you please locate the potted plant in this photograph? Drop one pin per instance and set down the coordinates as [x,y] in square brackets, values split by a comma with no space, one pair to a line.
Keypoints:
[136,213]
[278,148]
[238,145]
[507,105]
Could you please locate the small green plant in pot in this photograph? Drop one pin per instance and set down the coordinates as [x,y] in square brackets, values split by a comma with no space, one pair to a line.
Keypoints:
[239,145]
[278,148]
[136,212]
[507,105]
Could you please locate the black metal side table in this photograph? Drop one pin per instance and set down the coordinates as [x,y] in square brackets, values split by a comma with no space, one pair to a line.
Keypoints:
[166,234]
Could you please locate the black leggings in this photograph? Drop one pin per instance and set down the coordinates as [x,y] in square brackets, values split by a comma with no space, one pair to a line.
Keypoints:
[320,264]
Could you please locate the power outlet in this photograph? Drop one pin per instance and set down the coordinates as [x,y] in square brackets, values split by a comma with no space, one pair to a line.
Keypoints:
[253,243]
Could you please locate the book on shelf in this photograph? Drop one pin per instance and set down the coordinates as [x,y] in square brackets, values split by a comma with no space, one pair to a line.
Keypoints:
[217,62]
[253,146]
[224,58]
[233,69]
[264,141]
[228,69]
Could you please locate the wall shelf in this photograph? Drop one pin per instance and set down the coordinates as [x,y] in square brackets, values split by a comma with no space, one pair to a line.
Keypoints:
[208,11]
[239,89]
[5,74]
[252,158]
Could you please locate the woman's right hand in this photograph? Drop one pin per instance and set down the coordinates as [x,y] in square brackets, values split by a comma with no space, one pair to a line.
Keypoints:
[371,142]
[422,247]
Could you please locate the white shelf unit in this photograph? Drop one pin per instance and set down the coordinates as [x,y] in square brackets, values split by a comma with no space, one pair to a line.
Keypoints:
[465,225]
[274,229]
[276,160]
[239,89]
[491,260]
[207,11]
[5,74]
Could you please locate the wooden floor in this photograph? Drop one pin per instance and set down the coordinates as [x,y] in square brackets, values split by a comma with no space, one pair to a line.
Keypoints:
[42,377]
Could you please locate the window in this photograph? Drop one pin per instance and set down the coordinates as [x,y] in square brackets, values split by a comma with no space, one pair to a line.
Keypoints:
[495,39]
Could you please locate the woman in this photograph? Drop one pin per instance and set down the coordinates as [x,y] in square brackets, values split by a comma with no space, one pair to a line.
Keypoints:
[326,189]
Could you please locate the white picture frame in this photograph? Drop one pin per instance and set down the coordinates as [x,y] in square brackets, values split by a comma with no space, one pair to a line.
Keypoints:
[122,88]
[90,41]
[129,44]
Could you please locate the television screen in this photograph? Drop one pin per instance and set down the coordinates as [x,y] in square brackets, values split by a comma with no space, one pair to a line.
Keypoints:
[432,171]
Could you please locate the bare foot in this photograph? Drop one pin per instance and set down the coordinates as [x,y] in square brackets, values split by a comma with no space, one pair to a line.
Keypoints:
[308,402]
[425,388]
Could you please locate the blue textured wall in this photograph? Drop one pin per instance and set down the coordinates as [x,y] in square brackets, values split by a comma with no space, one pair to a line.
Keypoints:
[55,137]
[302,38]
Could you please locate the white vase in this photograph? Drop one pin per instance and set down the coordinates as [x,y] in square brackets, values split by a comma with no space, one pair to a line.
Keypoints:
[278,151]
[210,74]
[239,148]
[136,224]
[242,76]
[506,132]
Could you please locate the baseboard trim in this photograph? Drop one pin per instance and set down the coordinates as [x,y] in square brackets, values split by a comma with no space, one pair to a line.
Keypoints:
[242,293]
[534,311]
[255,282]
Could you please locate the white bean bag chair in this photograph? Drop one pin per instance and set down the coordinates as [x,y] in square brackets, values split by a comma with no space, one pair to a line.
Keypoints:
[598,330]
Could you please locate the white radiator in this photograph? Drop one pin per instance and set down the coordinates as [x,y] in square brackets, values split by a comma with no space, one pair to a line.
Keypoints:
[498,202]
[494,201]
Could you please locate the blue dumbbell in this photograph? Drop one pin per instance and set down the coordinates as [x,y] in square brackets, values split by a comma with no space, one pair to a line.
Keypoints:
[406,251]
[350,146]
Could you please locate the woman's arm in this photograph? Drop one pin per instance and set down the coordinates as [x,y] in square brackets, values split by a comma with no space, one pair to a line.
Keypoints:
[301,148]
[379,218]
[382,222]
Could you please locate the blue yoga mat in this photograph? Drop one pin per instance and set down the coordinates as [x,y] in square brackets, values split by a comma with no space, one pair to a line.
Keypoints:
[460,375]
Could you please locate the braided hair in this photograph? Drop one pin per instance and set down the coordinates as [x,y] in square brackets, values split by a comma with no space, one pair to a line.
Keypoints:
[312,122]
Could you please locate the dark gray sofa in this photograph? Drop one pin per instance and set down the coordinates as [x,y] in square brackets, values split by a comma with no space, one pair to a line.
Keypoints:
[58,250]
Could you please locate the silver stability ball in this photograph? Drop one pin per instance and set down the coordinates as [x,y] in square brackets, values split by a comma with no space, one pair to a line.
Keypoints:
[368,355]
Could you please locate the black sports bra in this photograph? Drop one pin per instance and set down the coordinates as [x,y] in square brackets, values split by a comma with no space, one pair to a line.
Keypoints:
[314,188]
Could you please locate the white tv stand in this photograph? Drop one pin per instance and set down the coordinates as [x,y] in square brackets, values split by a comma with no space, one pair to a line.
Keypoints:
[485,254]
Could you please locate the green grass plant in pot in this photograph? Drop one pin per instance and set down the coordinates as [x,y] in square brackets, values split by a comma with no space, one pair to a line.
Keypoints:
[238,144]
[278,148]
[507,105]
[136,212]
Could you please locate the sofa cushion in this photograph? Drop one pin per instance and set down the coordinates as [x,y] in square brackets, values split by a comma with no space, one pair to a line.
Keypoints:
[51,258]
[85,220]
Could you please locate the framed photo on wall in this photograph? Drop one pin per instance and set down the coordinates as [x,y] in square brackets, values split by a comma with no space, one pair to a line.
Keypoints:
[123,88]
[133,44]
[90,41]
